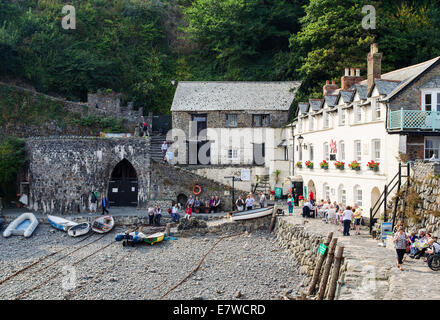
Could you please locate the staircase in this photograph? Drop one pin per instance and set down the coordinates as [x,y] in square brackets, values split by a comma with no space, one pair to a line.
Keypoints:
[388,204]
[155,147]
[262,185]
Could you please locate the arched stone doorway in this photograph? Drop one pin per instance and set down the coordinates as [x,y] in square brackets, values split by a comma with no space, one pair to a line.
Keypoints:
[311,188]
[181,198]
[123,185]
[375,195]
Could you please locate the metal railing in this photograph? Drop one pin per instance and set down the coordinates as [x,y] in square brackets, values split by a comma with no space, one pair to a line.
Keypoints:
[414,120]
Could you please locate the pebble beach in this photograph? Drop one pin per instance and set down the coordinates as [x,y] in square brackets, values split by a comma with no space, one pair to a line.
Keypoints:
[245,266]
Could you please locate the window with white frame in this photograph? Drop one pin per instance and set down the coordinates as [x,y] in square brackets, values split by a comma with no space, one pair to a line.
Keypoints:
[232,154]
[300,151]
[311,123]
[375,148]
[432,148]
[431,100]
[341,113]
[231,120]
[342,195]
[357,113]
[326,151]
[326,189]
[358,195]
[311,152]
[375,109]
[286,153]
[326,119]
[357,150]
[341,151]
[300,124]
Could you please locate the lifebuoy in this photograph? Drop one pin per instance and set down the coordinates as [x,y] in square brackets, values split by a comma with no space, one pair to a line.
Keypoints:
[199,188]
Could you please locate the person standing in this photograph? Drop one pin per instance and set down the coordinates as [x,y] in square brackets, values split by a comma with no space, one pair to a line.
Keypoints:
[346,219]
[249,202]
[93,202]
[104,203]
[400,241]
[262,200]
[290,203]
[157,215]
[164,148]
[216,204]
[312,198]
[190,202]
[150,215]
[197,204]
[357,218]
[240,203]
[175,217]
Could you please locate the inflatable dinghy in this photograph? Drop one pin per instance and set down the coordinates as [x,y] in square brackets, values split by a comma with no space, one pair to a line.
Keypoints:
[24,225]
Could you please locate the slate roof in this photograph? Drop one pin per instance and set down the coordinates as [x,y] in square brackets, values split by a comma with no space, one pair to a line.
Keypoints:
[331,100]
[347,96]
[385,87]
[361,90]
[303,107]
[234,95]
[316,104]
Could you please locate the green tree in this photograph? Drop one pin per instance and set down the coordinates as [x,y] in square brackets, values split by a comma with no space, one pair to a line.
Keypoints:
[12,159]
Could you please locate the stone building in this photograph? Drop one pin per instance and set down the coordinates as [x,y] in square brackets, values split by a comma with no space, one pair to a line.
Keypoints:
[233,129]
[383,118]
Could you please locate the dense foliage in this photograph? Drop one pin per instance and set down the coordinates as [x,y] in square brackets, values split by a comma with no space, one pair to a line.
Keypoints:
[12,159]
[137,46]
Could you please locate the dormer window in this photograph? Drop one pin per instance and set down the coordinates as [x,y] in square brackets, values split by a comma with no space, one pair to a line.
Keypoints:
[341,116]
[431,100]
[310,123]
[375,108]
[326,119]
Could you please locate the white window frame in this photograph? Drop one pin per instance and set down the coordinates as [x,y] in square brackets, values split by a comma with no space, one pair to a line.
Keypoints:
[357,113]
[376,110]
[326,151]
[435,99]
[326,119]
[357,148]
[435,149]
[230,123]
[326,191]
[341,152]
[341,113]
[342,195]
[311,123]
[300,122]
[311,152]
[374,150]
[357,195]
[232,154]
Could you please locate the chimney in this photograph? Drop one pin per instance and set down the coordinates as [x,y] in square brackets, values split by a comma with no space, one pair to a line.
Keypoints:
[352,76]
[328,88]
[374,62]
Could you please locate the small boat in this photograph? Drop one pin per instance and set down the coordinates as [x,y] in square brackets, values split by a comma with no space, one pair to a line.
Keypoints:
[155,238]
[60,223]
[103,224]
[252,214]
[79,229]
[24,225]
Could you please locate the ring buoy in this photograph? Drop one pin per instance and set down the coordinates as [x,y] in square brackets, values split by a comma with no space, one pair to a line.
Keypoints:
[199,189]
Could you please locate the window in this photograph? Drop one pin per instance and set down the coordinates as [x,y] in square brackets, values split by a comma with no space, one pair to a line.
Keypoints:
[311,152]
[231,120]
[286,153]
[326,151]
[432,147]
[260,120]
[376,150]
[326,190]
[431,100]
[342,195]
[375,108]
[311,123]
[357,113]
[300,153]
[300,127]
[341,113]
[358,196]
[326,119]
[232,154]
[357,150]
[341,151]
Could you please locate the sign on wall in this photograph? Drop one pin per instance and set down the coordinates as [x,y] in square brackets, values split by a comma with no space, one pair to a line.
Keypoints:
[245,174]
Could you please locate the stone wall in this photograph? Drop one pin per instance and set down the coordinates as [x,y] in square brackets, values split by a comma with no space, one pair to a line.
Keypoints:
[169,182]
[425,180]
[415,147]
[64,171]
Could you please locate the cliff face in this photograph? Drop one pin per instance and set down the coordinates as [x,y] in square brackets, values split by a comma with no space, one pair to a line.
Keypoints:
[26,113]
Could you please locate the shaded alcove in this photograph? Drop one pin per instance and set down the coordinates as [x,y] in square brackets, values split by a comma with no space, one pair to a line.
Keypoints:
[123,185]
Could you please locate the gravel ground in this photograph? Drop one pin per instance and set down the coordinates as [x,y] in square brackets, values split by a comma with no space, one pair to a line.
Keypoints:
[242,267]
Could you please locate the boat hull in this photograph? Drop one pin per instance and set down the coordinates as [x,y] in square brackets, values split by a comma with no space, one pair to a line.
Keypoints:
[60,223]
[12,228]
[252,214]
[155,238]
[79,230]
[103,224]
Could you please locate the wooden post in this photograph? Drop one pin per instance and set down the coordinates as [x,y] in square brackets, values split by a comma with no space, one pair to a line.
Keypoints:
[328,265]
[371,220]
[335,274]
[168,229]
[319,265]
[385,194]
[272,221]
[399,183]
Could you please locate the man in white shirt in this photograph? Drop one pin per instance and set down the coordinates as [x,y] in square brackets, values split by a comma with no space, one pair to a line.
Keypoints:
[347,215]
[164,148]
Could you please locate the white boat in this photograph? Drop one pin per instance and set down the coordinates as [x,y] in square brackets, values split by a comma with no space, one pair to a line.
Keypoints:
[252,214]
[79,229]
[60,223]
[24,225]
[103,224]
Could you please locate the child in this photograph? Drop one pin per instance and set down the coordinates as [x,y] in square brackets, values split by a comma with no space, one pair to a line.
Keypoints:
[188,212]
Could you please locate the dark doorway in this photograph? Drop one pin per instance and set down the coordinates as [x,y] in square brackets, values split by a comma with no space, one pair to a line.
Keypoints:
[199,143]
[181,198]
[259,153]
[123,185]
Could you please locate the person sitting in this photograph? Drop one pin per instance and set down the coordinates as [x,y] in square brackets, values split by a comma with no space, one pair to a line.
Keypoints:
[239,203]
[150,213]
[157,215]
[197,205]
[188,212]
[434,248]
[421,245]
[307,209]
[216,204]
[331,215]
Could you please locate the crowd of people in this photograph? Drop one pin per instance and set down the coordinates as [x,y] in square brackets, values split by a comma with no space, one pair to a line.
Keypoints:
[250,203]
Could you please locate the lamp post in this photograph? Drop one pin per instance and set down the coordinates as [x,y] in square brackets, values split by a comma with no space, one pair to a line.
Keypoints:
[233,193]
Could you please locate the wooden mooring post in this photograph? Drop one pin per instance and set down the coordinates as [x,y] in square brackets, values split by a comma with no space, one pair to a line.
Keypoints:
[168,229]
[328,265]
[274,217]
[318,266]
[335,274]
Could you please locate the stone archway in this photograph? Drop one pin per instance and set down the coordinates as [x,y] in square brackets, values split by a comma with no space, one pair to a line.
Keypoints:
[375,195]
[311,188]
[123,185]
[182,198]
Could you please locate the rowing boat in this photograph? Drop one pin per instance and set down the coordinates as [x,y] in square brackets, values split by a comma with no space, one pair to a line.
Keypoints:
[155,237]
[252,214]
[103,224]
[60,223]
[79,229]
